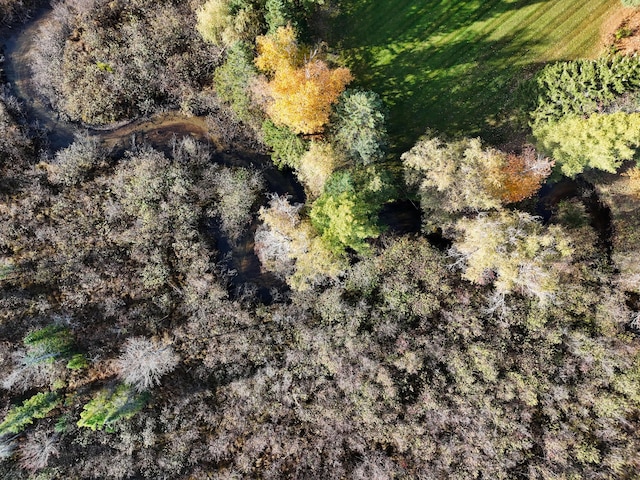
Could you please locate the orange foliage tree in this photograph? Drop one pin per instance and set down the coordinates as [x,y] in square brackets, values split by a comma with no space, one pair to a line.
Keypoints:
[302,86]
[521,176]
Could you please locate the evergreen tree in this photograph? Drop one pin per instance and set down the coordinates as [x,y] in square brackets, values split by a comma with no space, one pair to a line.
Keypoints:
[602,141]
[582,87]
[233,78]
[286,147]
[48,344]
[359,126]
[35,407]
[108,407]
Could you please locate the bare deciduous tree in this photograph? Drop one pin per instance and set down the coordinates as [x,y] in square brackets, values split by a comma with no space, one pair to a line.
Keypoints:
[36,451]
[7,446]
[144,361]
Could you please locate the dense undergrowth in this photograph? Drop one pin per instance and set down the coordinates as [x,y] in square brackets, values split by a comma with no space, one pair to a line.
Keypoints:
[99,62]
[13,11]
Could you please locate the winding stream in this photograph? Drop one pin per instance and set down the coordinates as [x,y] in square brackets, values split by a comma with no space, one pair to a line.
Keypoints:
[158,130]
[17,72]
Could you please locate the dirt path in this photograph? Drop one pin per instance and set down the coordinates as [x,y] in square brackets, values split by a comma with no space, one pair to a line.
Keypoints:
[622,30]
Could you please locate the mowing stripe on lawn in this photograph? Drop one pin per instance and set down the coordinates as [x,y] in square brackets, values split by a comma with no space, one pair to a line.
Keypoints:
[450,65]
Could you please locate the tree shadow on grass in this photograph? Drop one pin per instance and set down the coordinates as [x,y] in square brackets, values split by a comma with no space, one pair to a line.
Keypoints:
[463,85]
[396,21]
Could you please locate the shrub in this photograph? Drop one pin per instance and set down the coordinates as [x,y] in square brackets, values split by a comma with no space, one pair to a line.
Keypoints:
[6,267]
[521,176]
[37,449]
[73,164]
[453,176]
[278,13]
[214,20]
[77,362]
[7,447]
[514,251]
[16,149]
[224,22]
[463,176]
[16,10]
[316,166]
[301,84]
[236,191]
[623,32]
[289,246]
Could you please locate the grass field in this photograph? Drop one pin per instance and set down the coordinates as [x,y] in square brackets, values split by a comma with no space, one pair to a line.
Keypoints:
[451,65]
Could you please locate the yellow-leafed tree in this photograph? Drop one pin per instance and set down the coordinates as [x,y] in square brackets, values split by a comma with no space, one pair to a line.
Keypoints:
[301,85]
[316,166]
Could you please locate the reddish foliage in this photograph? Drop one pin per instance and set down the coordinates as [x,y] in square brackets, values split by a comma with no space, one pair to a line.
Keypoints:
[522,175]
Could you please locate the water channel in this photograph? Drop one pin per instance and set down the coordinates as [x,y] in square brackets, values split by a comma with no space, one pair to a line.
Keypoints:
[239,259]
[401,217]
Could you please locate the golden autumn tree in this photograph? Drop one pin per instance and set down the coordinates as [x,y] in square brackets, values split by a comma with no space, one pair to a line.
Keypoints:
[316,166]
[301,85]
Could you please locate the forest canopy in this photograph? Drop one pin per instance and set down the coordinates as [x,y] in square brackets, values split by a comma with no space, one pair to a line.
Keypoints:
[217,259]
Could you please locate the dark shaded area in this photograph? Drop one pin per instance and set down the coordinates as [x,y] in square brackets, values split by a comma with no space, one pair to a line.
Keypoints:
[401,217]
[438,240]
[409,386]
[633,303]
[404,217]
[247,279]
[599,213]
[553,193]
[242,266]
[281,182]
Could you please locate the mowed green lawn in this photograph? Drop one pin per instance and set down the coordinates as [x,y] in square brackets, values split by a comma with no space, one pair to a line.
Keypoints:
[451,65]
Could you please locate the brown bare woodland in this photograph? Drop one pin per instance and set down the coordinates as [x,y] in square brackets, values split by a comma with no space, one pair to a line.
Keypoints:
[508,350]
